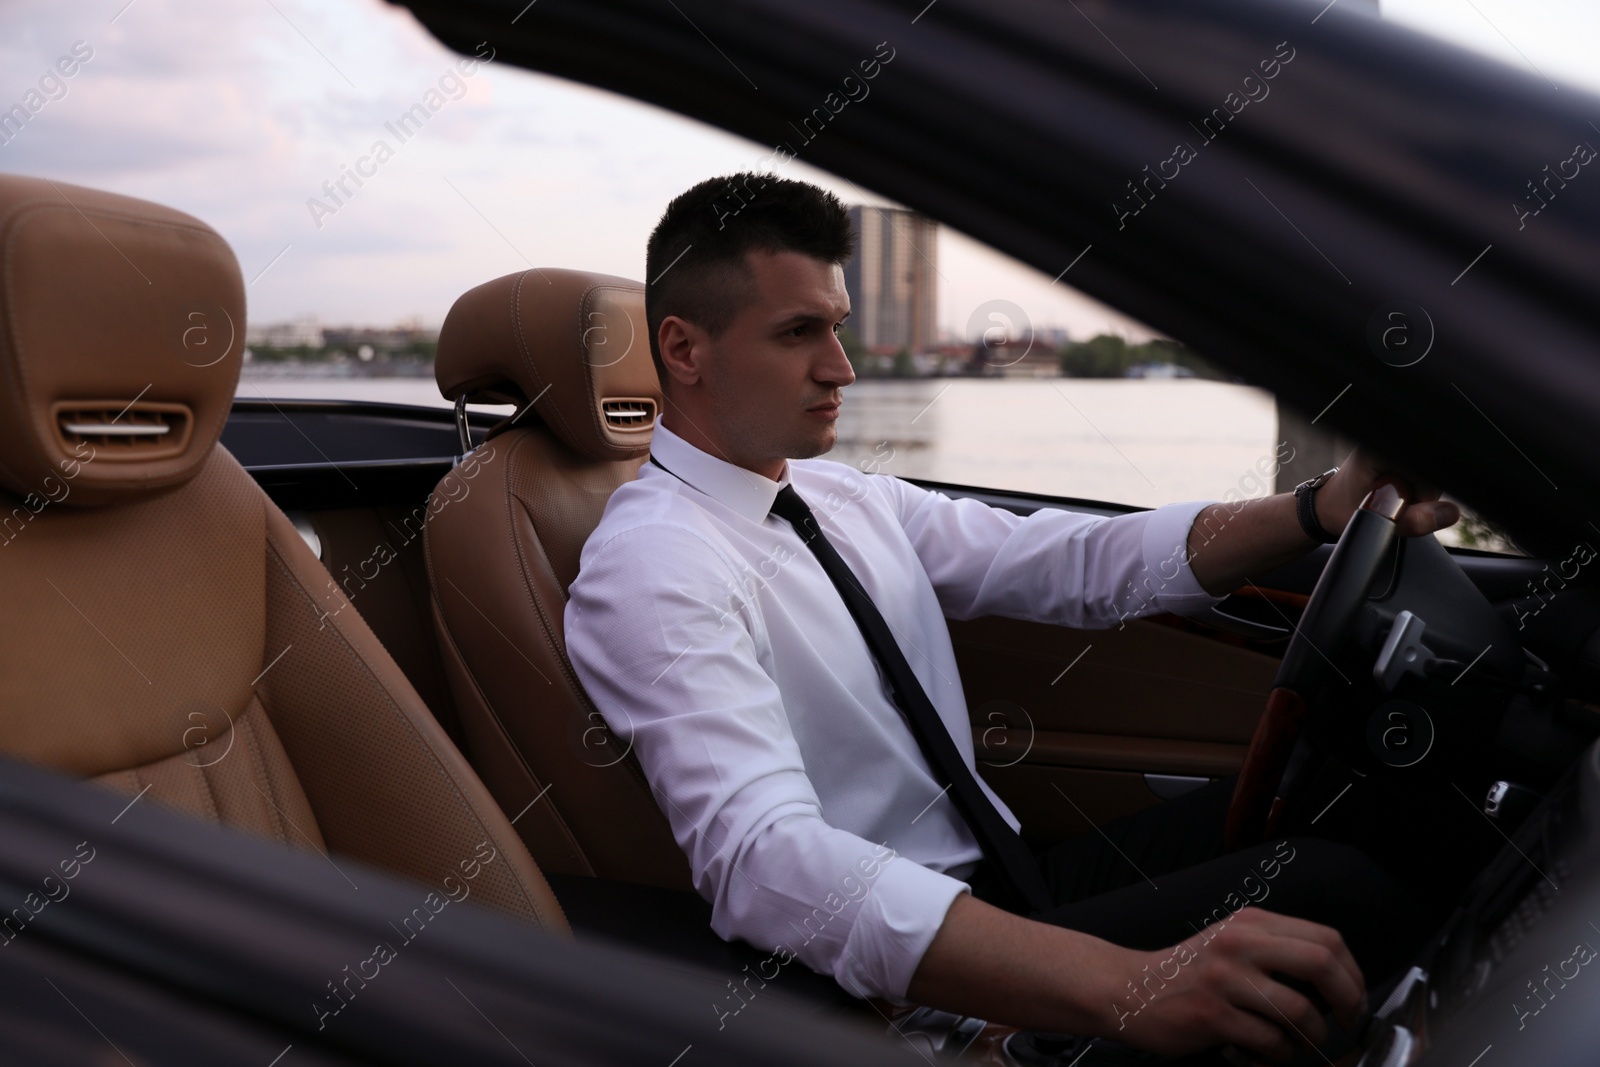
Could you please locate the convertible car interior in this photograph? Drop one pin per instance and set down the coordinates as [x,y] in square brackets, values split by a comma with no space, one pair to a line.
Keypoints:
[182,575]
[332,630]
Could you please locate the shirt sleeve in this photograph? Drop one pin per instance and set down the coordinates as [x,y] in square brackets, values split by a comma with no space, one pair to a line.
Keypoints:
[1053,566]
[667,645]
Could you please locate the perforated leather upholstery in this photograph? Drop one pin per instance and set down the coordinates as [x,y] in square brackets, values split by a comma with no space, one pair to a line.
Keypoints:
[571,350]
[166,631]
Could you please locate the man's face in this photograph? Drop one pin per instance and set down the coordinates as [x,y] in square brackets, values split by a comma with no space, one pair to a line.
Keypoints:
[774,378]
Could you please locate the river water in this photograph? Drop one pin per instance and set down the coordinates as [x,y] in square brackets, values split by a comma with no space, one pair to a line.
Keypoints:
[1133,441]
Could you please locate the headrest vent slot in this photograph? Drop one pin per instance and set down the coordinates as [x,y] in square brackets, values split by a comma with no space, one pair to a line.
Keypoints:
[630,413]
[126,431]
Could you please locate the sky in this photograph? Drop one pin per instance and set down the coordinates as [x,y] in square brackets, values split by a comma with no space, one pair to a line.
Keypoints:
[239,112]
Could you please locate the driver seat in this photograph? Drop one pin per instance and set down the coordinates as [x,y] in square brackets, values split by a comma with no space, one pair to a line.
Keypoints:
[571,350]
[166,631]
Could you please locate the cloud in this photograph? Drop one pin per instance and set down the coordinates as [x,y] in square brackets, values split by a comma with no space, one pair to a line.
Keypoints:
[239,113]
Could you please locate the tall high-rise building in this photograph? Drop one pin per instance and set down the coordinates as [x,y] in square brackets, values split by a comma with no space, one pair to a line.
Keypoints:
[893,299]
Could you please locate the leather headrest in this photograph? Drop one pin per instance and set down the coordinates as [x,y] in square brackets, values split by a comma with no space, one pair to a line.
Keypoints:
[121,337]
[572,342]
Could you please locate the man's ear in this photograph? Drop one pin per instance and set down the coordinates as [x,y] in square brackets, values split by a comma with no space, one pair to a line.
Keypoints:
[683,349]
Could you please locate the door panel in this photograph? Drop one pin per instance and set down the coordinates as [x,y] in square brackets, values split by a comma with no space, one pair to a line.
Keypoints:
[1058,802]
[1066,722]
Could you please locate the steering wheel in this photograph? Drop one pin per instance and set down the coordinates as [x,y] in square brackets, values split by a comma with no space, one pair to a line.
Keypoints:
[1268,785]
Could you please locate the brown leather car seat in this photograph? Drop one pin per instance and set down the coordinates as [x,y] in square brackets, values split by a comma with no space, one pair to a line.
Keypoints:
[166,631]
[571,350]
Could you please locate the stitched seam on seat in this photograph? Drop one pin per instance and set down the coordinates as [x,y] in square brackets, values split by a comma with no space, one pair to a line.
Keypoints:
[545,624]
[588,368]
[522,343]
[630,762]
[205,780]
[574,683]
[508,495]
[427,749]
[266,709]
[472,678]
[561,822]
[266,779]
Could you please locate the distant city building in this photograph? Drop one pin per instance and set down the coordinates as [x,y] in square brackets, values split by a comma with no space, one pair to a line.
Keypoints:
[893,299]
[301,333]
[387,339]
[1030,354]
[388,349]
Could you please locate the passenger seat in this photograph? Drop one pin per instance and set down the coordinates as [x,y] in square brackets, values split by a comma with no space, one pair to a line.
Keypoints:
[166,631]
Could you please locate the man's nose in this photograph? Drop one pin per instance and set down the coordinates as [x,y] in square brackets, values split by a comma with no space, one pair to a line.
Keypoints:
[836,368]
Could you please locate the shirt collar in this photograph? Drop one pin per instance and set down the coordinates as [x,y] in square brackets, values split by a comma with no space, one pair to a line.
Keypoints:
[746,492]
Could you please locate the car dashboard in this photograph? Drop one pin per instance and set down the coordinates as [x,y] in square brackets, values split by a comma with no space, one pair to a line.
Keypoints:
[1515,953]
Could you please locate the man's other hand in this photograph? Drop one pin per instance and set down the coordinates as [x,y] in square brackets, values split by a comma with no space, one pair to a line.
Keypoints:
[1218,988]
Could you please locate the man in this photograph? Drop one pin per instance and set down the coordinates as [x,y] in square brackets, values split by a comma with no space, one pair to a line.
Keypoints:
[719,645]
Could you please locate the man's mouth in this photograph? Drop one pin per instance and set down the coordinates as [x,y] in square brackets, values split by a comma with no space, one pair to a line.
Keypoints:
[828,410]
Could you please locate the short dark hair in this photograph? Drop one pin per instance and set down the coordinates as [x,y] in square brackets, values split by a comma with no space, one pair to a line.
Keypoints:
[695,261]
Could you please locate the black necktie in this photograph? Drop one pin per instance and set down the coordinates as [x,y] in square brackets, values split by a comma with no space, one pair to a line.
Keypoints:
[1000,843]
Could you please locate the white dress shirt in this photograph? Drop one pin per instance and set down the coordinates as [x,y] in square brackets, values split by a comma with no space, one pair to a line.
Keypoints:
[715,645]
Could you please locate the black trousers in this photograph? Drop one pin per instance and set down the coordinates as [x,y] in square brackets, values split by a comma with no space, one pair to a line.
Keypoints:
[1153,878]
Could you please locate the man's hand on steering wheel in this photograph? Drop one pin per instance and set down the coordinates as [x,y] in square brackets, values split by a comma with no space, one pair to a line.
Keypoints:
[1228,543]
[1362,472]
[1370,507]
